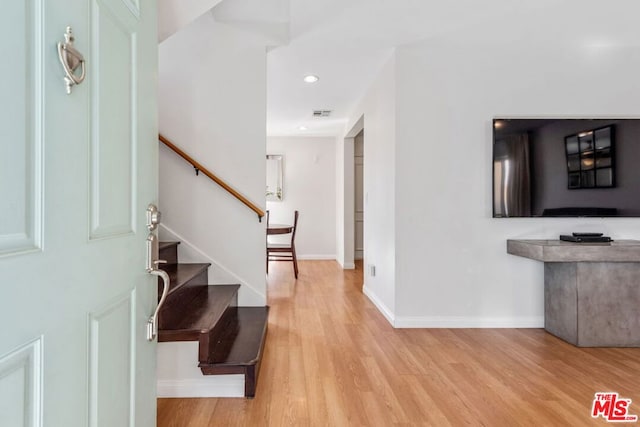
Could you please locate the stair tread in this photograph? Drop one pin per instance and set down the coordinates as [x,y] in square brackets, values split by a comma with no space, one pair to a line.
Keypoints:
[204,306]
[181,273]
[242,341]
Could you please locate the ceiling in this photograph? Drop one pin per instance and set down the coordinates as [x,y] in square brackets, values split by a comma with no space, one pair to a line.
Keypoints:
[346,42]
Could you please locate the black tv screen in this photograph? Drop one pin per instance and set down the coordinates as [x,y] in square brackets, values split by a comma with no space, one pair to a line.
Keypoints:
[566,168]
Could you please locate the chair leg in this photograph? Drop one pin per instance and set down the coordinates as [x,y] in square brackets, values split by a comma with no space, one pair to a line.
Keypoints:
[295,261]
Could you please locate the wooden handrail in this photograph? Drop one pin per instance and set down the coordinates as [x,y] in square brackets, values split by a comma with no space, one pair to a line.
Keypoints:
[199,168]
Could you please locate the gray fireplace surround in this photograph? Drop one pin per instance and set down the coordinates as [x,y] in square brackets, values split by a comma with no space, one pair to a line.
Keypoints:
[591,290]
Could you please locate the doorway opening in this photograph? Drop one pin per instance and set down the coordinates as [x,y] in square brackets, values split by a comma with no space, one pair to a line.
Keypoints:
[358,178]
[347,206]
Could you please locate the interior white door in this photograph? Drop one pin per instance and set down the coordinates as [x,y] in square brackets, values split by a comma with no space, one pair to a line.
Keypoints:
[77,172]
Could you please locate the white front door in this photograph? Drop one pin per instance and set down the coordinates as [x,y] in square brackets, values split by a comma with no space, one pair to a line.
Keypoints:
[77,172]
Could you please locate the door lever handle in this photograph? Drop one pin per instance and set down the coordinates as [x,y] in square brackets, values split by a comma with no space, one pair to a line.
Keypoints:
[152,323]
[153,219]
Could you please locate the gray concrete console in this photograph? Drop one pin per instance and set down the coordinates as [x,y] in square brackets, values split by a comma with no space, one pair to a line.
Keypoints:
[591,290]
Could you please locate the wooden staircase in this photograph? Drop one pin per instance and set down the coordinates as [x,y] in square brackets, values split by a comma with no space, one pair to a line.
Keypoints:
[230,338]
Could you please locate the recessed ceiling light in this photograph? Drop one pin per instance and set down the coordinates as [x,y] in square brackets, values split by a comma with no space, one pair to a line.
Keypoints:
[310,78]
[303,128]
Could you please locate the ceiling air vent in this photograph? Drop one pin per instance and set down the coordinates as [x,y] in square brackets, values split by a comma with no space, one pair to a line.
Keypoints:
[321,113]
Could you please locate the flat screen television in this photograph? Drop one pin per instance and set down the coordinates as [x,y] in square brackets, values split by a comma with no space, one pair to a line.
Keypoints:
[566,167]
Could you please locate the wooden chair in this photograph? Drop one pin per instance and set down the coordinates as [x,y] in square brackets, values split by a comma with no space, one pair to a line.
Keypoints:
[285,251]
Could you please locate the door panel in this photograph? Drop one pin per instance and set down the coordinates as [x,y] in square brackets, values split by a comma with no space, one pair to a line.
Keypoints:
[111,399]
[74,170]
[113,107]
[20,154]
[20,386]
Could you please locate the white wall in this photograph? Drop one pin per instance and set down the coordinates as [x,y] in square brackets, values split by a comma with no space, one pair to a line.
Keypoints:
[345,190]
[341,208]
[178,374]
[378,107]
[452,268]
[309,187]
[441,258]
[212,103]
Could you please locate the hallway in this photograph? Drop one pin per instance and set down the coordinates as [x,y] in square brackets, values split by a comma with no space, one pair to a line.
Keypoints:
[331,359]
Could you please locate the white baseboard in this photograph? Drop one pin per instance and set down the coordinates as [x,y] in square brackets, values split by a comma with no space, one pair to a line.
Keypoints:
[311,257]
[347,265]
[468,322]
[218,386]
[386,312]
[451,321]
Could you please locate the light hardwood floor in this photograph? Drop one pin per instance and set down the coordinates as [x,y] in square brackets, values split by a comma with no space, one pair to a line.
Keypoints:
[331,359]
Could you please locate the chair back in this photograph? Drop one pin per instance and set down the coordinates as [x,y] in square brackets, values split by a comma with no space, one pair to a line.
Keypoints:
[295,226]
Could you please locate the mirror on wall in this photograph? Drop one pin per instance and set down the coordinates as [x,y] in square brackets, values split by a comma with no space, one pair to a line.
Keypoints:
[274,177]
